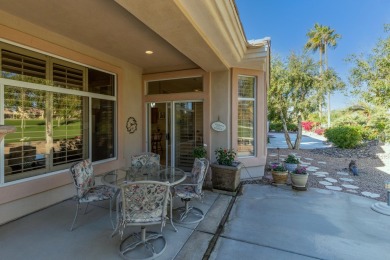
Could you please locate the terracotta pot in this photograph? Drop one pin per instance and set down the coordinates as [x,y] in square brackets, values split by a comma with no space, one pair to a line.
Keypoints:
[299,180]
[280,177]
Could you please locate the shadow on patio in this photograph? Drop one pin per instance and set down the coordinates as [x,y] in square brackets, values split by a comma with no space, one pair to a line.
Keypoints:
[45,234]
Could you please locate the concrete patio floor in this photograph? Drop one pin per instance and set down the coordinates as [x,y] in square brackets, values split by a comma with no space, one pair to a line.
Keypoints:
[265,222]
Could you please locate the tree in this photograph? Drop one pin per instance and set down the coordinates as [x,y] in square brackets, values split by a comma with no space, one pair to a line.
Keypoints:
[291,91]
[320,38]
[370,75]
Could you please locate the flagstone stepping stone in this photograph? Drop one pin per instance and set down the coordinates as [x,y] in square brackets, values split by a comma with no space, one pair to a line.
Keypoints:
[370,194]
[322,172]
[273,154]
[349,186]
[312,169]
[309,159]
[304,163]
[352,191]
[336,188]
[331,180]
[321,162]
[343,173]
[282,155]
[320,175]
[325,183]
[346,179]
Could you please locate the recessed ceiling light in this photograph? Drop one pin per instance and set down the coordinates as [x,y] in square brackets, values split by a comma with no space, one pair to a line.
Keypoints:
[149,52]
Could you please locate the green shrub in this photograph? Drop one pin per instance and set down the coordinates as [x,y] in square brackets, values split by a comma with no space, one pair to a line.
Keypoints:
[292,127]
[344,136]
[278,127]
[369,134]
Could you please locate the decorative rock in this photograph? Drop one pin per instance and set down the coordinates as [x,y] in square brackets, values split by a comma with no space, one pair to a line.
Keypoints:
[331,180]
[273,154]
[325,183]
[346,179]
[309,159]
[343,173]
[349,186]
[336,188]
[370,194]
[321,162]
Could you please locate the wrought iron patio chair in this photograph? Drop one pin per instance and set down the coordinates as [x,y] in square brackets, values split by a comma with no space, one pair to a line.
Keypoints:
[87,191]
[143,203]
[188,191]
[145,159]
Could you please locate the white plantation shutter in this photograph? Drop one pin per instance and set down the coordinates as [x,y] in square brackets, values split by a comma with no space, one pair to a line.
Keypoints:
[17,64]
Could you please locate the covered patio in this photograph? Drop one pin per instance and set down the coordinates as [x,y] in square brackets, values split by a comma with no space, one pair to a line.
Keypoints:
[100,80]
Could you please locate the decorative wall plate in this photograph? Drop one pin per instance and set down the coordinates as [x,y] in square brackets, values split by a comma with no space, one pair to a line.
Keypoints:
[131,125]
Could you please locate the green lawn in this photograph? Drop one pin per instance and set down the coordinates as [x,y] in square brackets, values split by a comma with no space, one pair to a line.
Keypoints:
[35,130]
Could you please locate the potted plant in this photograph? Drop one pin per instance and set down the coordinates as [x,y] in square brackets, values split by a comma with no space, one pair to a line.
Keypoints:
[279,173]
[299,177]
[291,162]
[226,172]
[200,151]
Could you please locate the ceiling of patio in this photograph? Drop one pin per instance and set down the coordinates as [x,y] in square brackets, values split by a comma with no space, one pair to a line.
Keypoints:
[105,26]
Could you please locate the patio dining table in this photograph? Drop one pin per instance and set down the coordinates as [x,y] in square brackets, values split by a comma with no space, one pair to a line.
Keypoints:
[160,173]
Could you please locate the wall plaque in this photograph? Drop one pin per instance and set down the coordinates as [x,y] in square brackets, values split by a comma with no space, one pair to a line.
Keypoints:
[218,126]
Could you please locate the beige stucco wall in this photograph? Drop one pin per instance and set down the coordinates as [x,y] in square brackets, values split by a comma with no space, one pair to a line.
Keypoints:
[24,197]
[224,103]
[220,108]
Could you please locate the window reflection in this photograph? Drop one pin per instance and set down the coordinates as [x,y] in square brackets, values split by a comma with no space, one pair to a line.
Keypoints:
[103,129]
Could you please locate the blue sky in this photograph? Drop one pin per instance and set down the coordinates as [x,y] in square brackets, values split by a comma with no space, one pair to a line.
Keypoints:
[360,23]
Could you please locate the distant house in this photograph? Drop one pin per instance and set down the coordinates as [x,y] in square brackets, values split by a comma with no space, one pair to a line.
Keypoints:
[108,77]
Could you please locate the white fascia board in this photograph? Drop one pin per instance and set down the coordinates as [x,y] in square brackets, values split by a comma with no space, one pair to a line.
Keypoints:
[218,22]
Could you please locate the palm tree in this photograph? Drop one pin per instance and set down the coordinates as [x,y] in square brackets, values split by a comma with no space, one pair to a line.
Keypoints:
[320,38]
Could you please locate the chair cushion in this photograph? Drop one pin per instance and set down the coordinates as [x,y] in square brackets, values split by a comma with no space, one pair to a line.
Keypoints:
[198,172]
[186,192]
[98,193]
[144,203]
[146,159]
[83,176]
[154,160]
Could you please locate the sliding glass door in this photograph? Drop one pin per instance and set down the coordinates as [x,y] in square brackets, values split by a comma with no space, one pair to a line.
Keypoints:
[174,130]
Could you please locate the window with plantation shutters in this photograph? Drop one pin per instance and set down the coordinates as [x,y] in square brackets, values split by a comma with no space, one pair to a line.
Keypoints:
[15,65]
[67,77]
[53,117]
[246,115]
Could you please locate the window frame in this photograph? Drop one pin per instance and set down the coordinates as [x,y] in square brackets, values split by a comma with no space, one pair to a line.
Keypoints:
[254,115]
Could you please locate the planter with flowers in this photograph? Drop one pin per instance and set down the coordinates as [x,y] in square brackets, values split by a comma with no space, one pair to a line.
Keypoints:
[226,172]
[200,151]
[291,162]
[299,177]
[279,173]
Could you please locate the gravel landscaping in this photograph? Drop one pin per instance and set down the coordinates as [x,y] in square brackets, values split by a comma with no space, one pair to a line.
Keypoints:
[373,162]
